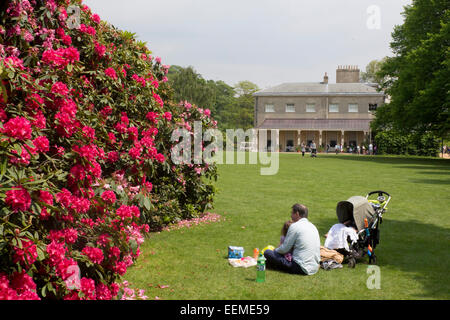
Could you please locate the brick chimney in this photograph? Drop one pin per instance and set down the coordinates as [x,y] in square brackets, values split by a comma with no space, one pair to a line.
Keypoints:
[325,78]
[347,74]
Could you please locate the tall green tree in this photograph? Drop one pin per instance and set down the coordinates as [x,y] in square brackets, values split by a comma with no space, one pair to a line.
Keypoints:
[232,107]
[372,71]
[191,86]
[417,77]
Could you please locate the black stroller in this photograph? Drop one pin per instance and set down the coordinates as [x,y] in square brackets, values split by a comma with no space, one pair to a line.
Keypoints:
[365,215]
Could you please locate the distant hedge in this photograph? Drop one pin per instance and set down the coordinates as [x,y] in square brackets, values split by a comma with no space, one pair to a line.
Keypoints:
[394,142]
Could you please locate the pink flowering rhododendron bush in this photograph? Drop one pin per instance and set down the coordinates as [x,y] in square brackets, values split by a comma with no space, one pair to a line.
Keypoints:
[85,169]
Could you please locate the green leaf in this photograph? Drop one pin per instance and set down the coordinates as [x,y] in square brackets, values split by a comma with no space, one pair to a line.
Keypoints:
[40,253]
[147,203]
[3,167]
[4,91]
[44,291]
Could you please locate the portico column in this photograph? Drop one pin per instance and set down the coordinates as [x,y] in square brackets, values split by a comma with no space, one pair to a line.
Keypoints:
[342,138]
[320,137]
[299,137]
[262,139]
[276,143]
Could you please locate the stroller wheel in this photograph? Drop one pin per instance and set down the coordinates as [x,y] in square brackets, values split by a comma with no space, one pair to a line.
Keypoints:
[351,262]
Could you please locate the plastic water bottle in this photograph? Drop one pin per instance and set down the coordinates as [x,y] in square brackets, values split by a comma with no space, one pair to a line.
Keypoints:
[261,268]
[255,253]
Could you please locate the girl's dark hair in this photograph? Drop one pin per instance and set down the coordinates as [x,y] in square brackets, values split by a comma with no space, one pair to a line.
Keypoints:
[285,228]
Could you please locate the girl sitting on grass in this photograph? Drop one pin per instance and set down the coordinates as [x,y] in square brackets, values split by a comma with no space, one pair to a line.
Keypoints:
[284,231]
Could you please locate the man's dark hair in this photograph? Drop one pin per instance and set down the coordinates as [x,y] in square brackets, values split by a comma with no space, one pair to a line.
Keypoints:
[301,209]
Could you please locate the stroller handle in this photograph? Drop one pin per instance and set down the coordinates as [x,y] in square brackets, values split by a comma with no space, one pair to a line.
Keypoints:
[380,193]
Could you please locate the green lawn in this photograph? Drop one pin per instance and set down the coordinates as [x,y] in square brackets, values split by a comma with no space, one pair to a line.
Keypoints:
[413,253]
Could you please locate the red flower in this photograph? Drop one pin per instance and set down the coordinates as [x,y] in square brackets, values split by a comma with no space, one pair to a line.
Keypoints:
[88,288]
[160,157]
[113,156]
[60,88]
[56,252]
[110,72]
[34,101]
[18,128]
[89,132]
[21,281]
[128,212]
[46,197]
[100,49]
[41,143]
[148,186]
[135,152]
[18,199]
[109,196]
[158,99]
[103,292]
[61,57]
[167,116]
[24,157]
[3,115]
[70,235]
[66,39]
[26,255]
[106,111]
[152,117]
[39,120]
[95,17]
[94,254]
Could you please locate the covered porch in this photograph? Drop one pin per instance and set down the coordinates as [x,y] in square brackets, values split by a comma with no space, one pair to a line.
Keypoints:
[323,132]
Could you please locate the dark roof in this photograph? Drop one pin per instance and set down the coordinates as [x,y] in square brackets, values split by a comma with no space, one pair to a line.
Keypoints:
[317,124]
[315,89]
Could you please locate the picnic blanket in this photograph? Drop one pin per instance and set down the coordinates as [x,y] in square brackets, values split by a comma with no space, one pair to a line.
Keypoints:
[328,254]
[243,262]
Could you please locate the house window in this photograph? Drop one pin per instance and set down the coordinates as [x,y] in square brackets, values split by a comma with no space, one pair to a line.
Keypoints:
[373,107]
[270,108]
[290,108]
[333,108]
[310,108]
[352,107]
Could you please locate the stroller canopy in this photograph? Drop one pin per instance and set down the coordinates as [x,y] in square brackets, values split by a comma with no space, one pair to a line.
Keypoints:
[356,208]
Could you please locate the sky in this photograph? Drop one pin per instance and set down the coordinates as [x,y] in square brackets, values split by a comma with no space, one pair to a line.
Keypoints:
[267,42]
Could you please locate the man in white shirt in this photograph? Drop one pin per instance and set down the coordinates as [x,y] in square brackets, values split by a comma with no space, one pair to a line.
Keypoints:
[313,149]
[303,240]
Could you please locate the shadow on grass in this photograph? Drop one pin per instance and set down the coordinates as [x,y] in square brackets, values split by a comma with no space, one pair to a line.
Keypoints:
[435,172]
[413,247]
[431,181]
[409,162]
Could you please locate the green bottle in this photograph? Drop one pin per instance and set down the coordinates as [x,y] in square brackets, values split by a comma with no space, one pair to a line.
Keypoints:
[261,268]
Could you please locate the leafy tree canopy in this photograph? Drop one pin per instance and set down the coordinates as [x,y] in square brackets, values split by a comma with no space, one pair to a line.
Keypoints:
[416,78]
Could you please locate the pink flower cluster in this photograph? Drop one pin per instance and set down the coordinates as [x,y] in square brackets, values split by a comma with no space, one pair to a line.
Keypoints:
[25,255]
[109,196]
[110,72]
[19,287]
[207,218]
[61,57]
[17,128]
[125,212]
[18,199]
[94,254]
